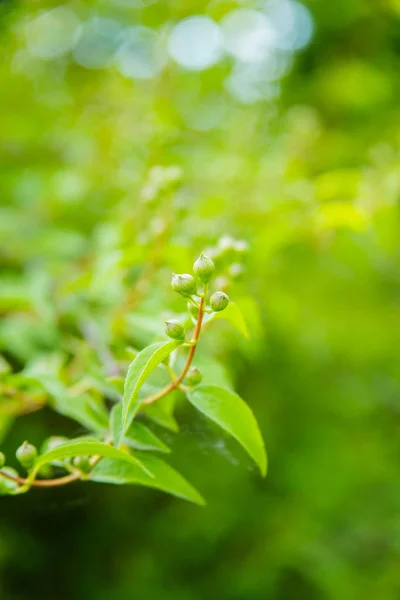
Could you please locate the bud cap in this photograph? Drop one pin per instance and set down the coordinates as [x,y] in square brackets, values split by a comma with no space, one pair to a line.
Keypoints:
[219,301]
[193,376]
[204,268]
[26,454]
[184,284]
[174,329]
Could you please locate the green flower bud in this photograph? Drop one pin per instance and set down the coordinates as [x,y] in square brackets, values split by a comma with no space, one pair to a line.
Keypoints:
[2,460]
[26,455]
[193,376]
[219,301]
[82,463]
[174,329]
[53,442]
[7,486]
[204,268]
[184,284]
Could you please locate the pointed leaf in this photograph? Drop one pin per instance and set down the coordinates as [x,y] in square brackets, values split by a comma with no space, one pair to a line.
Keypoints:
[142,438]
[234,315]
[88,448]
[140,369]
[230,412]
[165,477]
[116,422]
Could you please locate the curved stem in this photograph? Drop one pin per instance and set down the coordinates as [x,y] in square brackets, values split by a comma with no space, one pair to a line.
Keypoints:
[75,476]
[43,482]
[176,382]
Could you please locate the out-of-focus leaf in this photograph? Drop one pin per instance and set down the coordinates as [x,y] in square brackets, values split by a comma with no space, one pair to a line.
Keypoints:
[234,416]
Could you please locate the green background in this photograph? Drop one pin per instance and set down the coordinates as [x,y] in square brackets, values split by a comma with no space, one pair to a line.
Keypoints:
[307,171]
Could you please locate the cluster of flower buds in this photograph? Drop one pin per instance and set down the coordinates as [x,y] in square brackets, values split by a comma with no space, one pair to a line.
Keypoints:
[229,255]
[187,286]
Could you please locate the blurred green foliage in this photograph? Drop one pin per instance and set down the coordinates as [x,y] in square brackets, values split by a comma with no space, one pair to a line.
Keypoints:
[304,165]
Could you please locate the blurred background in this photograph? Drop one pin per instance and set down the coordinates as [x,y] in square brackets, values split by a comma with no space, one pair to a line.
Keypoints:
[135,133]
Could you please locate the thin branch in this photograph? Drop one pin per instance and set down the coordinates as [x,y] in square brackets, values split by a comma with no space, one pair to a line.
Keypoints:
[176,382]
[75,476]
[43,482]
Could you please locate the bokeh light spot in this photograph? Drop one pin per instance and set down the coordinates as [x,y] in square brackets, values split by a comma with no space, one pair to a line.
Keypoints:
[195,43]
[52,33]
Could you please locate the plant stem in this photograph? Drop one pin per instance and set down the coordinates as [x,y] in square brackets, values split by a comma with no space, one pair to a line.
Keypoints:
[176,382]
[75,476]
[43,482]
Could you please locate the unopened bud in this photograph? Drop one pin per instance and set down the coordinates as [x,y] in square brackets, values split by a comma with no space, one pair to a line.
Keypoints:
[82,463]
[193,376]
[204,268]
[184,284]
[174,329]
[219,301]
[26,455]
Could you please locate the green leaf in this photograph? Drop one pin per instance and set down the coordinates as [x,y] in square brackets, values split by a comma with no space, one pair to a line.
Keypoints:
[162,412]
[234,416]
[165,477]
[83,408]
[142,438]
[116,422]
[140,369]
[88,448]
[233,314]
[6,422]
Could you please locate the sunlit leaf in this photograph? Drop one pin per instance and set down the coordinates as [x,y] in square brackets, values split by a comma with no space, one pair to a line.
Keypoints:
[234,416]
[88,448]
[165,477]
[234,316]
[140,369]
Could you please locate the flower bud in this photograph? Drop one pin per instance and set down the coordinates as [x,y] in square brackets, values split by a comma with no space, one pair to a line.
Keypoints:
[82,463]
[193,376]
[26,455]
[2,460]
[184,284]
[204,268]
[174,329]
[8,486]
[219,301]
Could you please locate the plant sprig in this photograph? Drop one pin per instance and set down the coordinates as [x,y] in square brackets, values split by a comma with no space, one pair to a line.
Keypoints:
[117,449]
